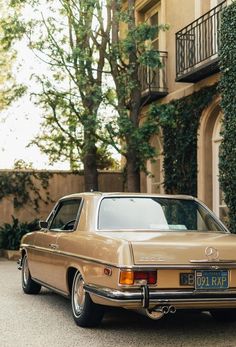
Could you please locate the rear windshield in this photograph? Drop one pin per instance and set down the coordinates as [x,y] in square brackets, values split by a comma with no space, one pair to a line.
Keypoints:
[119,213]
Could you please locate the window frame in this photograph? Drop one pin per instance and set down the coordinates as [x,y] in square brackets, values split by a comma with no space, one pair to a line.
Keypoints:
[201,205]
[56,209]
[155,10]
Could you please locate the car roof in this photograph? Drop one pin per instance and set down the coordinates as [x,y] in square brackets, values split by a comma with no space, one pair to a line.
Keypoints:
[126,194]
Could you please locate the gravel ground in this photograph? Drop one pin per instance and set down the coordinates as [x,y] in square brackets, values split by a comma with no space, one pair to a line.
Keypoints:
[45,320]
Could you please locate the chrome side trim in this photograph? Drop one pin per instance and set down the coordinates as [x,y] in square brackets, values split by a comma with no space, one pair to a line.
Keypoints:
[58,291]
[206,265]
[68,254]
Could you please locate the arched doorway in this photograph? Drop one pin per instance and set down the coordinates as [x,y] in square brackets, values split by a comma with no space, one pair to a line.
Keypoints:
[208,160]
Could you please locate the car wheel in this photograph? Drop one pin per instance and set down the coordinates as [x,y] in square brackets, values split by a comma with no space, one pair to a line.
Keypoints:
[29,286]
[224,315]
[85,312]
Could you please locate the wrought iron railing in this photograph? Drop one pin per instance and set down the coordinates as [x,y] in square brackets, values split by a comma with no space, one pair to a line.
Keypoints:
[154,81]
[198,43]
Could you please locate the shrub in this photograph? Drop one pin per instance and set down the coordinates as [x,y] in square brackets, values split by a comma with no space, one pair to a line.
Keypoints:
[11,234]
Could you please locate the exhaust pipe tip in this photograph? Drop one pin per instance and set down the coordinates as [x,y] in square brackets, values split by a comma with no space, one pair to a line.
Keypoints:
[159,311]
[172,309]
[165,309]
[154,314]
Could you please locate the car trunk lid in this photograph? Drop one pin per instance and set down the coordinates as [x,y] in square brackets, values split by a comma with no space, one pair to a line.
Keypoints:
[184,248]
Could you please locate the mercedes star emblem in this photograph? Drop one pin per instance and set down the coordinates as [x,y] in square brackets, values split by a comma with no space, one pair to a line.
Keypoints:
[212,253]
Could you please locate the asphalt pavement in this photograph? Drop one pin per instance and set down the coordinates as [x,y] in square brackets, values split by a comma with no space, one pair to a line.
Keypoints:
[46,320]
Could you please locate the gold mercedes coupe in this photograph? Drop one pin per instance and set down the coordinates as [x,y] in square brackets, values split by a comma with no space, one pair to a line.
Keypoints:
[152,253]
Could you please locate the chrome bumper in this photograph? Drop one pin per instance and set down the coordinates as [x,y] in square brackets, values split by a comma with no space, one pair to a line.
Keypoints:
[147,297]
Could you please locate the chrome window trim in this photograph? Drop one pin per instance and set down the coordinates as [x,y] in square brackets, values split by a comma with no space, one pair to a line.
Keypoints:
[57,206]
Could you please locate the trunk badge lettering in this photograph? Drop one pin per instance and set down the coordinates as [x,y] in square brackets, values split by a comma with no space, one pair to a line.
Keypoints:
[151,258]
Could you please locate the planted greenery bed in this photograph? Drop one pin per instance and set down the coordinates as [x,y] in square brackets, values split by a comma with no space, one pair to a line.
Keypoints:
[11,234]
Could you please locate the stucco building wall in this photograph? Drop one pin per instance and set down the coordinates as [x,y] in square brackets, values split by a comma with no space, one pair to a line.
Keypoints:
[179,14]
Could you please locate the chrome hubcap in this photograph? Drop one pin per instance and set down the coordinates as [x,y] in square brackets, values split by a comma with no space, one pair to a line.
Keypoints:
[78,295]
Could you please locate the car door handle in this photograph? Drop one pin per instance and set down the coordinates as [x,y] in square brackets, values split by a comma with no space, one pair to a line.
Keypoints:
[53,245]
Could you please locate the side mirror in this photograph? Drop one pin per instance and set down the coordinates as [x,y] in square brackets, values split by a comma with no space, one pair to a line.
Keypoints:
[43,224]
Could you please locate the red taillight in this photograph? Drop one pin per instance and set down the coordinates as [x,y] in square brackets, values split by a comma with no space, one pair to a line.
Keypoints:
[135,277]
[149,276]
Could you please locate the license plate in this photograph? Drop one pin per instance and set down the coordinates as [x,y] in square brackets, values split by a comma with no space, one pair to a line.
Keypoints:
[207,279]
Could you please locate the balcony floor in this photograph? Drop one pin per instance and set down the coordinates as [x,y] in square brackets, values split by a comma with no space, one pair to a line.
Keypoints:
[150,96]
[200,72]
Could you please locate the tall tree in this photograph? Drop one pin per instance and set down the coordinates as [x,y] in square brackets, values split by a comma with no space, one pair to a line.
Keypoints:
[126,56]
[75,38]
[69,38]
[9,90]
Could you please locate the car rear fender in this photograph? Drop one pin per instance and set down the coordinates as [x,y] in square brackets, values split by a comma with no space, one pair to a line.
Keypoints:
[71,271]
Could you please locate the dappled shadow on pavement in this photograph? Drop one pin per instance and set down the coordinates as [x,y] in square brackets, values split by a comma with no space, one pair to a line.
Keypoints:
[185,328]
[46,320]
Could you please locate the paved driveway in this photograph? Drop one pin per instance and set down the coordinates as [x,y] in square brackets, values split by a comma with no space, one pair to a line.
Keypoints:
[45,320]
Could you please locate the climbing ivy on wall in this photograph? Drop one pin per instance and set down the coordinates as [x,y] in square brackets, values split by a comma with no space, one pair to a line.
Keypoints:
[180,122]
[227,88]
[25,187]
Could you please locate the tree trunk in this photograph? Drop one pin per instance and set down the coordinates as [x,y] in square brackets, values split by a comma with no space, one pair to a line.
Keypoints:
[90,155]
[133,94]
[133,173]
[133,165]
[90,170]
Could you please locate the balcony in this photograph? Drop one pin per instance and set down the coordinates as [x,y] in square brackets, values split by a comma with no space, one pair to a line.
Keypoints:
[197,47]
[153,81]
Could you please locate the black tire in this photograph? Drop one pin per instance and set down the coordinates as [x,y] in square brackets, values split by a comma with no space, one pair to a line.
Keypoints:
[29,286]
[224,315]
[85,312]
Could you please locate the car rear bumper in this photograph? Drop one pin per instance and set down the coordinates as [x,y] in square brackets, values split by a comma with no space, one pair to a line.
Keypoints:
[147,298]
[19,264]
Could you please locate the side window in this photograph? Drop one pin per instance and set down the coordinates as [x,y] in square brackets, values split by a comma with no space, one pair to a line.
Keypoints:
[152,17]
[66,215]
